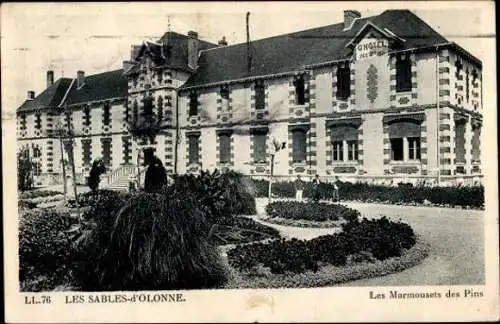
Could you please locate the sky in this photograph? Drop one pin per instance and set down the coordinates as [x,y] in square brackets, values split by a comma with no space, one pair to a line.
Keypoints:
[96,37]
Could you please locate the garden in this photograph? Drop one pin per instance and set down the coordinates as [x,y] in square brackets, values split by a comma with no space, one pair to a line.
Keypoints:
[196,233]
[405,194]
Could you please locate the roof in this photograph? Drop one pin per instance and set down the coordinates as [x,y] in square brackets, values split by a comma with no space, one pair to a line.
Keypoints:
[291,52]
[171,49]
[50,97]
[106,85]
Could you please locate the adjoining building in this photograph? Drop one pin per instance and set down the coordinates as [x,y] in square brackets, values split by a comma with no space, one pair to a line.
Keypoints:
[382,99]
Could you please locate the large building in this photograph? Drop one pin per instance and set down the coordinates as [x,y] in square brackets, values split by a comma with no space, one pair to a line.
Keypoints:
[381,99]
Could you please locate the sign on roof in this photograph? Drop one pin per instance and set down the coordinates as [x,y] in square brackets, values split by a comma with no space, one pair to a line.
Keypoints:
[370,47]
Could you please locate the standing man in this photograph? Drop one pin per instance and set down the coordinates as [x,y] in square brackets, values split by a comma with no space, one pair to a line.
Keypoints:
[299,188]
[336,189]
[316,189]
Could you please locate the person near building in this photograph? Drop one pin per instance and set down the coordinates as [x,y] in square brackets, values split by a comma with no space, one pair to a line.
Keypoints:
[316,195]
[299,188]
[156,175]
[336,183]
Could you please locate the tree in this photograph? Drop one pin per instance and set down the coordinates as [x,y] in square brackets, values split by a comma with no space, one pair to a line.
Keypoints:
[24,170]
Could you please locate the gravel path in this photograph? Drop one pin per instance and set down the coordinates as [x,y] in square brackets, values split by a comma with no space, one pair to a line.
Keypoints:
[455,236]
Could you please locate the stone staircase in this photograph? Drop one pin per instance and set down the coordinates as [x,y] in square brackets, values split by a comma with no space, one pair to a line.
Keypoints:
[119,178]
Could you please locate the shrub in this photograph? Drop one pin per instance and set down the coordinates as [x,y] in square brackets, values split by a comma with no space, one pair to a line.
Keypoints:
[243,230]
[310,211]
[359,240]
[45,248]
[38,193]
[404,193]
[156,241]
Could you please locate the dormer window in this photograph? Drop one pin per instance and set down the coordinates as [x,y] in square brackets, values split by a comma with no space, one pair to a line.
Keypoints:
[260,97]
[403,74]
[224,94]
[38,121]
[343,82]
[300,90]
[106,115]
[193,104]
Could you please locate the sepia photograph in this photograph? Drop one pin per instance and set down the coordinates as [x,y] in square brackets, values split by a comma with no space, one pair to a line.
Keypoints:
[206,156]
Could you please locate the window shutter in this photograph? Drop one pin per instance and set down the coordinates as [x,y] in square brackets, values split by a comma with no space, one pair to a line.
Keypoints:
[299,145]
[193,149]
[260,100]
[259,147]
[403,75]
[225,148]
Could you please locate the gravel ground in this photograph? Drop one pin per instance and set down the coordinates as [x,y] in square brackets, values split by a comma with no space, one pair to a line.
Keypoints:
[455,236]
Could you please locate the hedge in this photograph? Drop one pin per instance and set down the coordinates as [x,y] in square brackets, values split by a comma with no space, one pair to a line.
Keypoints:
[406,194]
[310,211]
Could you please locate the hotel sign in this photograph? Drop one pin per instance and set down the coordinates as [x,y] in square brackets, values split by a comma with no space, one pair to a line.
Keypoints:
[370,47]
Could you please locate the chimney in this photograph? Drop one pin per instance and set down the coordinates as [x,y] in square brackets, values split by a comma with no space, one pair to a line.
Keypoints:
[192,49]
[349,16]
[80,79]
[223,41]
[31,95]
[50,78]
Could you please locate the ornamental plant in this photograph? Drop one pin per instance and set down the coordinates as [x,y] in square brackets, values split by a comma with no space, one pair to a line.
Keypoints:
[310,211]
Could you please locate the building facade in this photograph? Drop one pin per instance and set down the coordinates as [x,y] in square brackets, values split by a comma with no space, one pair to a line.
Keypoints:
[382,99]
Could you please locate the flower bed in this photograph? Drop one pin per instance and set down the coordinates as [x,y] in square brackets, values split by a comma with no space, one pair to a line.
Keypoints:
[38,193]
[366,240]
[471,197]
[328,275]
[303,223]
[311,211]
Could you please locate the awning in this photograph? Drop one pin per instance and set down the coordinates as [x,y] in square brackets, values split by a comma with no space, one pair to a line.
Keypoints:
[404,128]
[416,117]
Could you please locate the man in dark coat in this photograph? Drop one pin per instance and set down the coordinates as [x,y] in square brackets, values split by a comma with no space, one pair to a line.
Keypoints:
[156,175]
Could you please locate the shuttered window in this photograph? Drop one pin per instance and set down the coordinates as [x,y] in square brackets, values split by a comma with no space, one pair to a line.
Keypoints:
[38,121]
[404,137]
[352,150]
[460,141]
[299,145]
[414,148]
[86,116]
[300,91]
[148,106]
[193,146]
[397,149]
[403,75]
[343,82]
[338,151]
[225,148]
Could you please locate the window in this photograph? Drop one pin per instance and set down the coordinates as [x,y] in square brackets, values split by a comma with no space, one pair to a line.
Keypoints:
[160,108]
[467,85]
[37,153]
[476,134]
[225,148]
[260,97]
[148,106]
[38,121]
[23,122]
[338,151]
[193,146]
[106,150]
[259,147]
[106,114]
[193,104]
[299,145]
[344,137]
[86,116]
[352,150]
[224,94]
[403,75]
[37,168]
[458,68]
[414,148]
[460,141]
[343,82]
[86,151]
[397,149]
[135,111]
[300,91]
